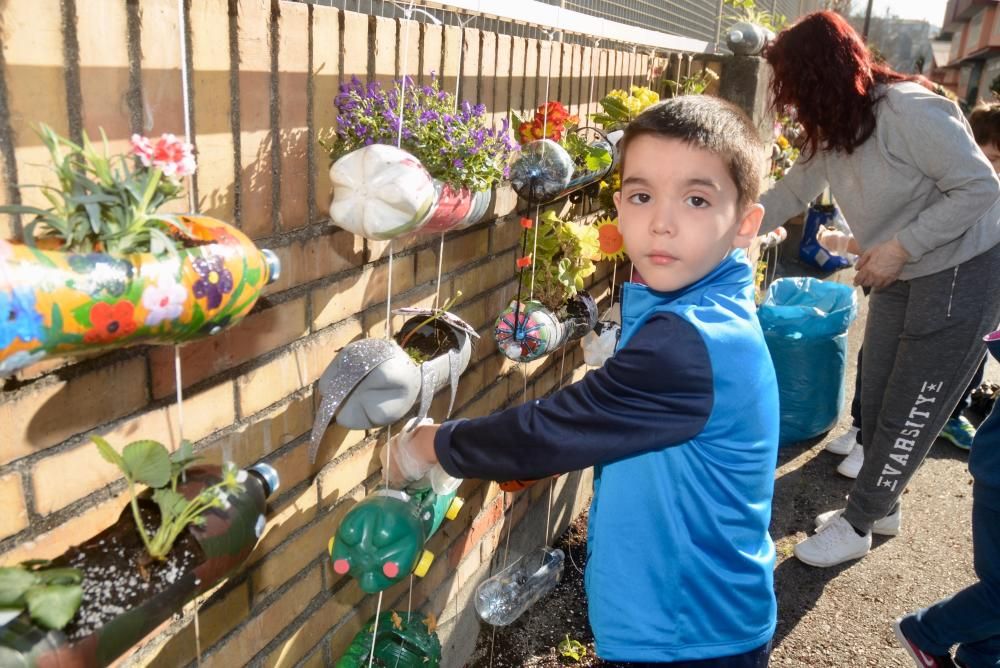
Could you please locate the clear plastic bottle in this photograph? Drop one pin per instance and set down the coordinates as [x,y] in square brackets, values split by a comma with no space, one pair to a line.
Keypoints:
[504,597]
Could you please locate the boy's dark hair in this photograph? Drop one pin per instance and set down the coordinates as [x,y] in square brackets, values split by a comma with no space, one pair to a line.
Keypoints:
[985,122]
[712,124]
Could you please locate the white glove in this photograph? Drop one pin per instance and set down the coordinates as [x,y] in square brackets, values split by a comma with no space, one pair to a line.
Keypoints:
[419,473]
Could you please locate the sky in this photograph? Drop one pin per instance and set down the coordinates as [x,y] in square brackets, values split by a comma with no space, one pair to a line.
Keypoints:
[930,10]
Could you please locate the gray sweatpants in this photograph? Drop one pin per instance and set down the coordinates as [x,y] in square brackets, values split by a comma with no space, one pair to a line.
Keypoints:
[922,344]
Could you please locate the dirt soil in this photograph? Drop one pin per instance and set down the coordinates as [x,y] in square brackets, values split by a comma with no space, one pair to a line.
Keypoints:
[839,616]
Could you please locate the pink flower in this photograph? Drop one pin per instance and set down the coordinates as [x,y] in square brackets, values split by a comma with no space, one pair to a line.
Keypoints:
[170,155]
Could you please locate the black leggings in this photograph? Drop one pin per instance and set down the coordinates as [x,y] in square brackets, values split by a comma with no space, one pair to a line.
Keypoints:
[755,658]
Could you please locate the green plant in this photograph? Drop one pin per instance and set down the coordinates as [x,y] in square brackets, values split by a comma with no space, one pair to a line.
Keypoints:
[748,12]
[109,203]
[50,595]
[149,463]
[572,649]
[453,141]
[563,257]
[415,353]
[694,84]
[619,107]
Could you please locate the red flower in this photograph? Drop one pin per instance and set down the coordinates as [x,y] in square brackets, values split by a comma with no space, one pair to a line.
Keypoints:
[172,156]
[555,112]
[523,262]
[110,322]
[527,223]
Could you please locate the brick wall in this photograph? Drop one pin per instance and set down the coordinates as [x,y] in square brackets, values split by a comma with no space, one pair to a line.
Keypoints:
[262,76]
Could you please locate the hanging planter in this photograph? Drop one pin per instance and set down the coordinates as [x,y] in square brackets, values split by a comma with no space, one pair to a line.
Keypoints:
[381,540]
[101,269]
[64,303]
[402,640]
[455,209]
[441,176]
[528,330]
[119,605]
[374,382]
[555,159]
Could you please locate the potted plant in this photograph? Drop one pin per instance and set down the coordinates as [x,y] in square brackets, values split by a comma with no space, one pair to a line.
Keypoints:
[374,382]
[556,159]
[440,178]
[619,107]
[560,311]
[189,529]
[100,268]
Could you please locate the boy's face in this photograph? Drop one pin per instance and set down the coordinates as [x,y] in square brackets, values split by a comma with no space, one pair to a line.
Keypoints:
[993,155]
[679,212]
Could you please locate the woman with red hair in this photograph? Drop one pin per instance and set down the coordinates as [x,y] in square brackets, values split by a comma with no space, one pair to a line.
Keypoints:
[924,206]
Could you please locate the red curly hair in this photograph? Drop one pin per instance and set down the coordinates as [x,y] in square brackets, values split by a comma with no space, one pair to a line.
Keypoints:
[823,69]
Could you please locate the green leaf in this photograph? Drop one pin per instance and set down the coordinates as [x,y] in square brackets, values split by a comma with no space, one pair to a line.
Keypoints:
[53,606]
[109,454]
[182,458]
[148,462]
[14,582]
[597,158]
[171,504]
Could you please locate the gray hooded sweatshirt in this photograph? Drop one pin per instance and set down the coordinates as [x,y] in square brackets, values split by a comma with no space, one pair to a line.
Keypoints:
[920,177]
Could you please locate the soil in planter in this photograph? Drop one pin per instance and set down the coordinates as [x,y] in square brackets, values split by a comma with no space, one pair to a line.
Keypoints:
[428,341]
[112,582]
[533,639]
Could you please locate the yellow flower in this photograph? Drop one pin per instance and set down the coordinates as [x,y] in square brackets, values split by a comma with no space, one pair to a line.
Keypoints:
[610,242]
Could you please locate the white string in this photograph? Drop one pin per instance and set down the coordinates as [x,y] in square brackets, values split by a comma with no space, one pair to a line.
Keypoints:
[378,611]
[193,206]
[545,129]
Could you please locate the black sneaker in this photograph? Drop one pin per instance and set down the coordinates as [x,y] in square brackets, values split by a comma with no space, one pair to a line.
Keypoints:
[919,656]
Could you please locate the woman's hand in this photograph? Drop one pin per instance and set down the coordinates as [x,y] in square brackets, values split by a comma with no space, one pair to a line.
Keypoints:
[881,265]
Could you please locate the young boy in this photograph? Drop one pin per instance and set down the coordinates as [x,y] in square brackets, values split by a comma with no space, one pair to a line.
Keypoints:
[681,424]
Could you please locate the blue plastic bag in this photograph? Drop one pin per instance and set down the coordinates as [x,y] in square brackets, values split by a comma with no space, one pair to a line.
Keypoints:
[805,322]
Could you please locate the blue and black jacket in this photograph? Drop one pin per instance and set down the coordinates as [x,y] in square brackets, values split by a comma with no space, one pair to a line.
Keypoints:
[681,425]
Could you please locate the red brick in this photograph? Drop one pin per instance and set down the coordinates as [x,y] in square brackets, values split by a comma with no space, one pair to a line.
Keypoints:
[307,260]
[293,140]
[332,303]
[210,83]
[256,134]
[50,412]
[260,333]
[326,79]
[15,515]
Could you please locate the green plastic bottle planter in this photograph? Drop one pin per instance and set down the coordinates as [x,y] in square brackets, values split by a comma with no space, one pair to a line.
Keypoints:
[381,540]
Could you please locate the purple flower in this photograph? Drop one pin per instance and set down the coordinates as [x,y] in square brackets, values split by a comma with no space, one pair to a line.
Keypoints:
[215,280]
[458,163]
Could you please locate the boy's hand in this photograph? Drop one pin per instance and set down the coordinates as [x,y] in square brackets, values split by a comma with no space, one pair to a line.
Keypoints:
[409,455]
[881,265]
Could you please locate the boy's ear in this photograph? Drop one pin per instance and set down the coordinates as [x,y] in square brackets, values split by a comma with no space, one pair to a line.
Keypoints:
[747,228]
[617,198]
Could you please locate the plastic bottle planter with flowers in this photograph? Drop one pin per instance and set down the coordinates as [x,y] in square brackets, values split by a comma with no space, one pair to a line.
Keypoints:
[375,382]
[561,311]
[556,159]
[401,640]
[440,179]
[101,269]
[207,520]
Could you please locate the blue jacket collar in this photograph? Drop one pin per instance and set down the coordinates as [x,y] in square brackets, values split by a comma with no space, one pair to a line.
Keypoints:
[733,276]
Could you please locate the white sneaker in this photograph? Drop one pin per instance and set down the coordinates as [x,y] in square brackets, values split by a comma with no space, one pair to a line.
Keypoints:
[887,526]
[851,465]
[843,444]
[834,544]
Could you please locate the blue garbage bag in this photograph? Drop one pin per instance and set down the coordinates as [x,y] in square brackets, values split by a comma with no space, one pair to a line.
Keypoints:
[805,322]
